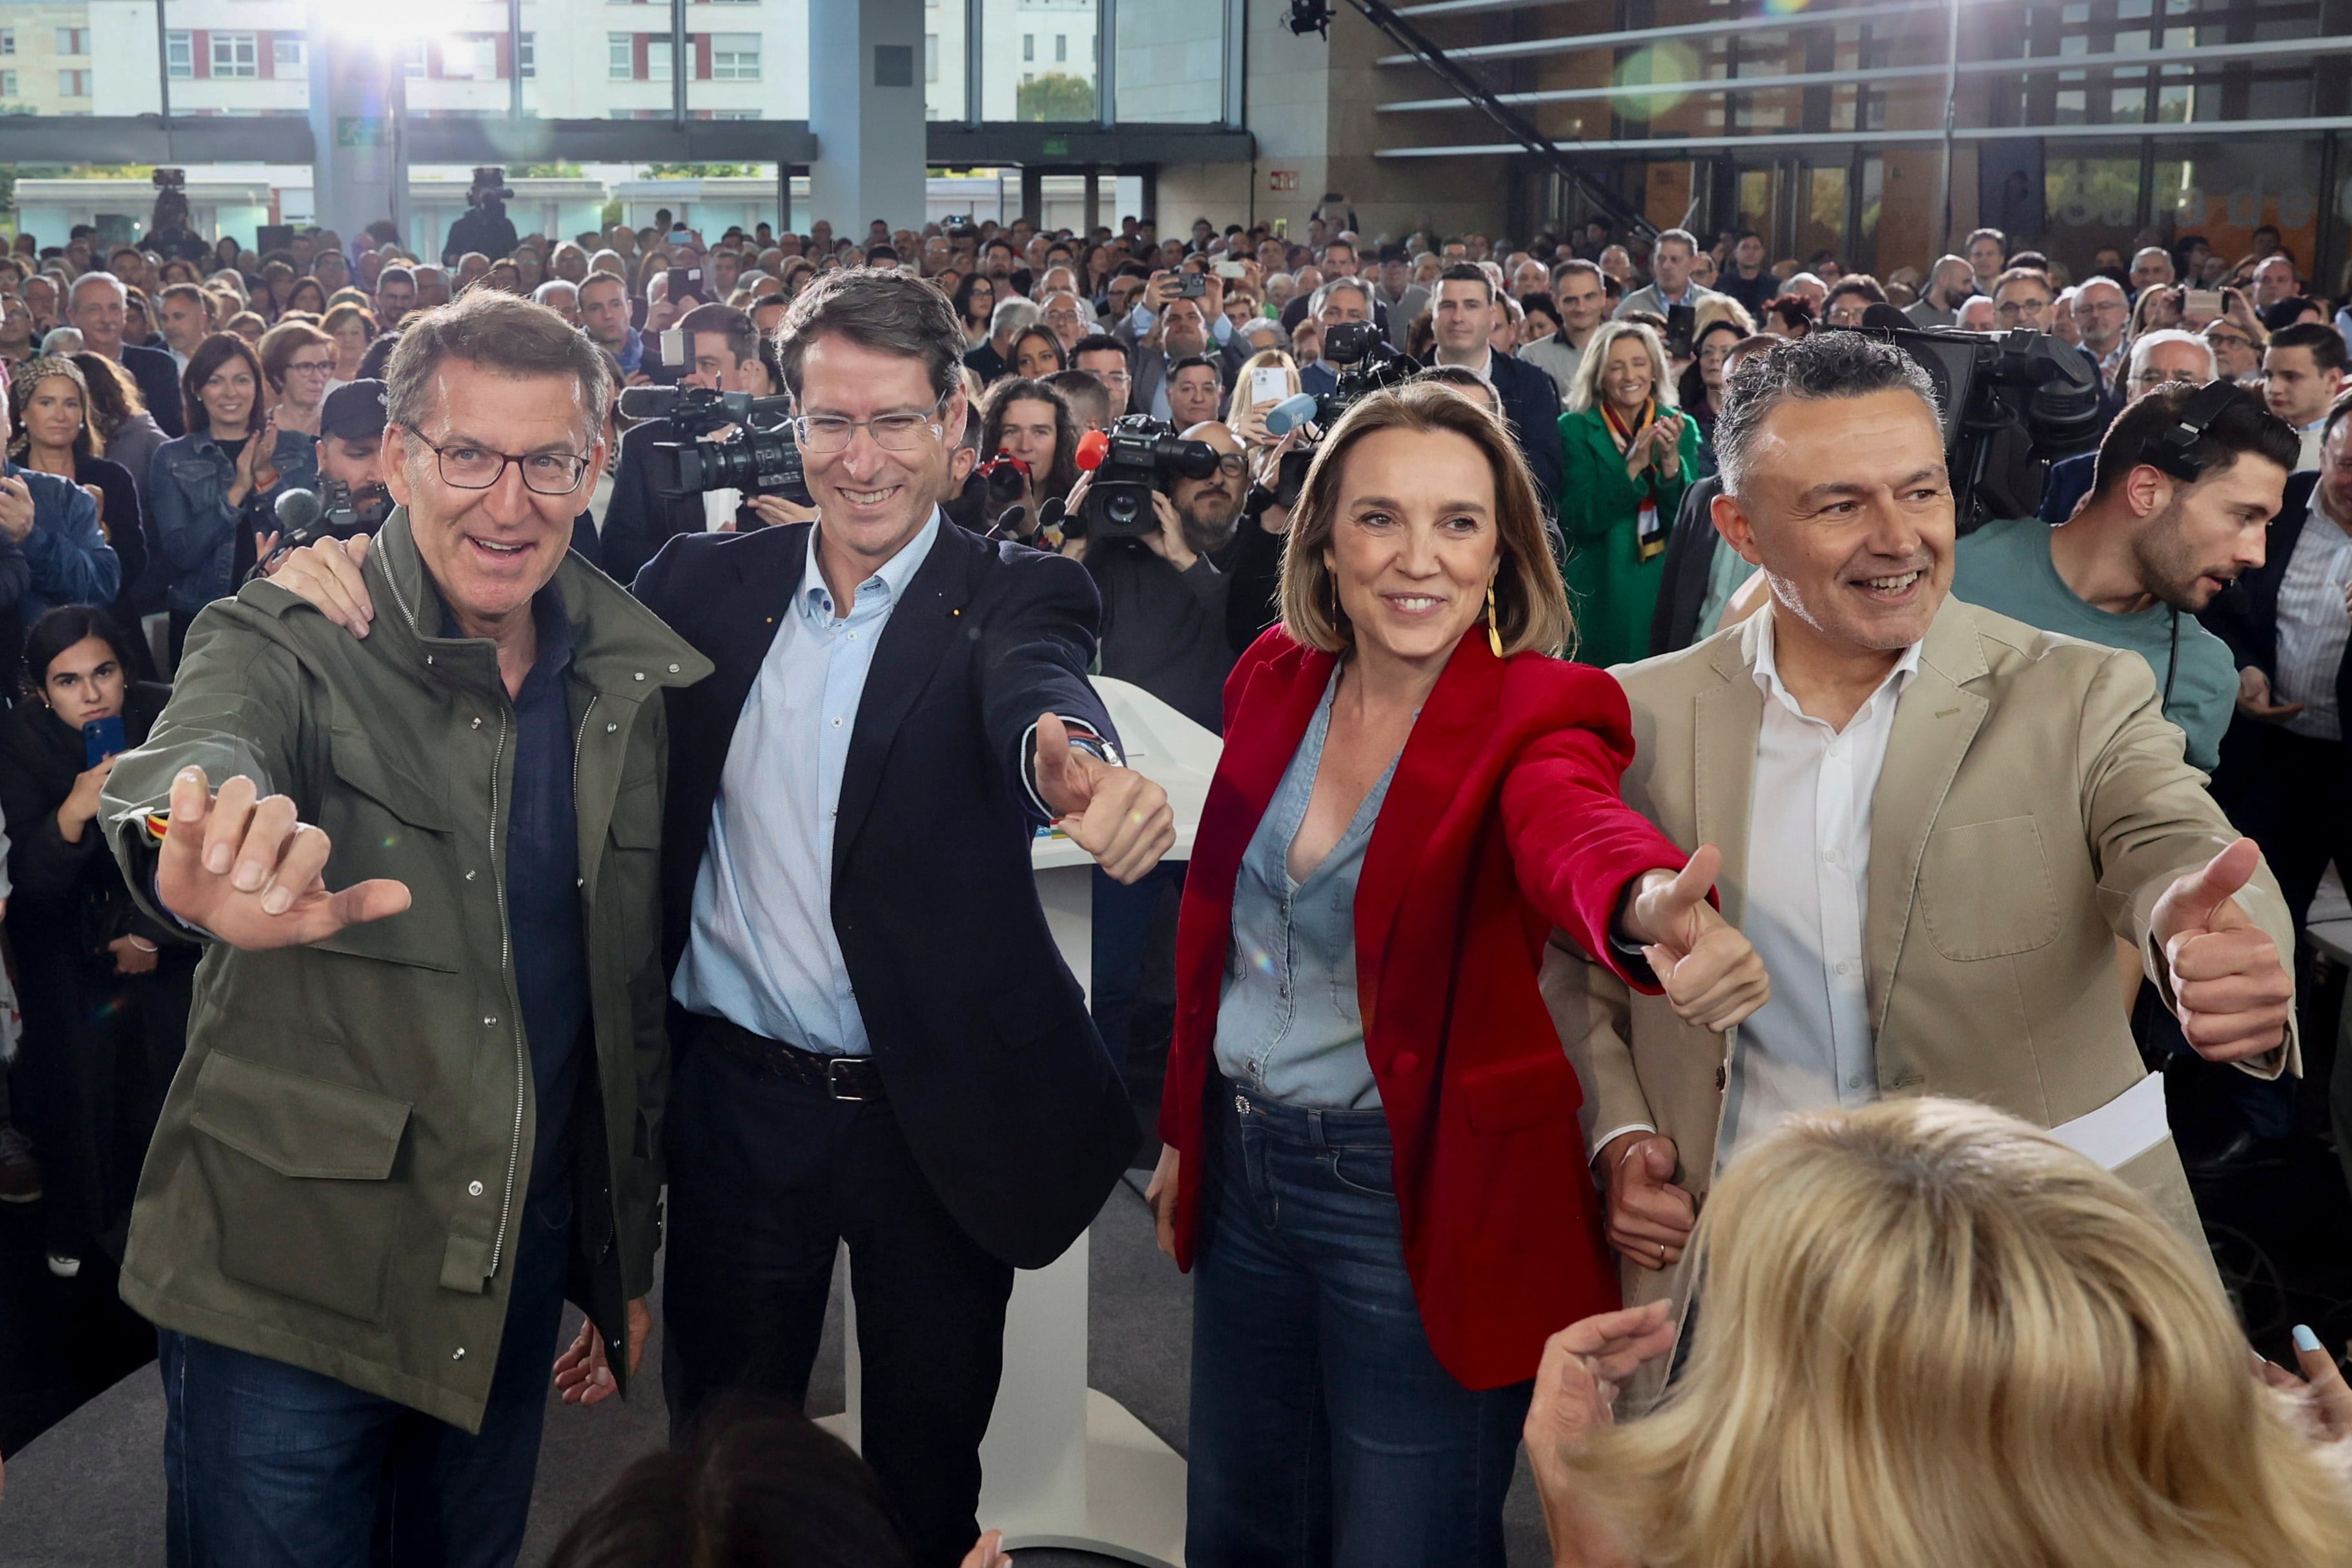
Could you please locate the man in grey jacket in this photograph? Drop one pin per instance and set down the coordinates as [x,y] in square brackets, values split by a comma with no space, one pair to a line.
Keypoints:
[1670,284]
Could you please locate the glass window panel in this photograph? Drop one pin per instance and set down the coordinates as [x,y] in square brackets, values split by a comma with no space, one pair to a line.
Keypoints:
[1021,81]
[1820,222]
[7,40]
[1171,63]
[8,87]
[180,50]
[943,59]
[747,58]
[2091,203]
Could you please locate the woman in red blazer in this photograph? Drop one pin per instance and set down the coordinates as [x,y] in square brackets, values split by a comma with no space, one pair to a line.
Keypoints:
[1372,1152]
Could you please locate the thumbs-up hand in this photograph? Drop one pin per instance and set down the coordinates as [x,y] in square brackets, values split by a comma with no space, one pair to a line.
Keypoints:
[243,868]
[2229,987]
[1712,976]
[1115,814]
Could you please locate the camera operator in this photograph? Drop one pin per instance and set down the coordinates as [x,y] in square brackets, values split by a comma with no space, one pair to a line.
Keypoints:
[360,1225]
[1342,301]
[2148,548]
[352,496]
[723,351]
[485,226]
[1028,422]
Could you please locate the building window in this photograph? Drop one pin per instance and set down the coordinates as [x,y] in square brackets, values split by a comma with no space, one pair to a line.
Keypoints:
[931,57]
[73,84]
[527,57]
[1061,47]
[7,84]
[658,59]
[73,40]
[235,55]
[1028,46]
[734,57]
[179,55]
[288,55]
[7,40]
[618,64]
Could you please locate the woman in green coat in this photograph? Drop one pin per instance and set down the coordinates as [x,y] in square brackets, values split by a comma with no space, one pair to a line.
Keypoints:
[1627,458]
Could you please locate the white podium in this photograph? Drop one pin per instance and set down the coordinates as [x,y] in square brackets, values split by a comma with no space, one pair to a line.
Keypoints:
[1065,1466]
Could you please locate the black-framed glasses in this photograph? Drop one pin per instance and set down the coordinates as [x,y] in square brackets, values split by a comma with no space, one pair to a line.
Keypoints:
[479,468]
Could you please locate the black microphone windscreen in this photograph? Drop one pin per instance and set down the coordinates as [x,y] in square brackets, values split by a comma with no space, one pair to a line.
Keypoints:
[297,509]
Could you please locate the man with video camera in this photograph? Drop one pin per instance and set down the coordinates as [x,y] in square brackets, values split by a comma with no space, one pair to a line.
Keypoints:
[723,352]
[352,498]
[485,227]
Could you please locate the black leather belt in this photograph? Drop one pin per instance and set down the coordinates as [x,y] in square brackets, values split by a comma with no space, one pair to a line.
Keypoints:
[848,1078]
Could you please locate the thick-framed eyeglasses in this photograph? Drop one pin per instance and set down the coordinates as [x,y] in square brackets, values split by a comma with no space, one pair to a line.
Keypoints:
[824,433]
[479,468]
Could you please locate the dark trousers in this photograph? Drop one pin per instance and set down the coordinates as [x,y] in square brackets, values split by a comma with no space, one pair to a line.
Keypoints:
[2292,795]
[767,1176]
[1323,1428]
[272,1466]
[99,1053]
[1124,914]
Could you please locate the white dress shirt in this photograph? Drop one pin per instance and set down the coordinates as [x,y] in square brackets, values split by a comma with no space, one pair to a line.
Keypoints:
[2313,624]
[1810,1048]
[761,951]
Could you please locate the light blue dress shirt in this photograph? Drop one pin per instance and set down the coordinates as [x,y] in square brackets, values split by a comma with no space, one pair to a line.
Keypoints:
[761,951]
[1289,1026]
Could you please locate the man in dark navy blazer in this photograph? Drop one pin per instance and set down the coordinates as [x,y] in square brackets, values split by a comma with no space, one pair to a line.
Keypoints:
[875,1039]
[1463,316]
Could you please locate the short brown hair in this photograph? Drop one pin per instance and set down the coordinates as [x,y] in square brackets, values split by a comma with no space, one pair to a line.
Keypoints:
[1531,602]
[282,343]
[878,308]
[500,332]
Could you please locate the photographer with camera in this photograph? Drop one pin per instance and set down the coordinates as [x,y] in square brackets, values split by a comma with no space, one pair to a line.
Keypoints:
[1029,454]
[1336,303]
[352,498]
[485,227]
[723,351]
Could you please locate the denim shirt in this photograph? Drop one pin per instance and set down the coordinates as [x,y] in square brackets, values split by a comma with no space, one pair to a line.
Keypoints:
[66,559]
[1289,1026]
[188,483]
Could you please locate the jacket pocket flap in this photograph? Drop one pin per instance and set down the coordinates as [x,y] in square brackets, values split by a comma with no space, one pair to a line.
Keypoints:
[1516,1094]
[295,1125]
[359,764]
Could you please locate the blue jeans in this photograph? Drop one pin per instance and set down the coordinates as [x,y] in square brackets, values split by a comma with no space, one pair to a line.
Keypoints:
[1323,1428]
[274,1466]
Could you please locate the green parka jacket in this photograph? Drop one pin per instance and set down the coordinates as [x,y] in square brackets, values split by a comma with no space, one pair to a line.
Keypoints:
[340,1170]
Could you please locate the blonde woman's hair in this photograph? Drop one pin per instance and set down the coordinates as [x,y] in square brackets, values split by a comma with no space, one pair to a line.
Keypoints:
[1530,602]
[1932,1335]
[1721,307]
[1585,390]
[1266,360]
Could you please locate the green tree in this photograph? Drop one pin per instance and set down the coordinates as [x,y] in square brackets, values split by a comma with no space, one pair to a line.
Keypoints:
[701,170]
[544,171]
[1056,96]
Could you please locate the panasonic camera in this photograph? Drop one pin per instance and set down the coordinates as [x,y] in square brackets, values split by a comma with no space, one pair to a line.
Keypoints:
[761,460]
[1137,456]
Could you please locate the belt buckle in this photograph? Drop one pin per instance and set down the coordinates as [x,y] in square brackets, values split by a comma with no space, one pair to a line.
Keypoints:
[835,1078]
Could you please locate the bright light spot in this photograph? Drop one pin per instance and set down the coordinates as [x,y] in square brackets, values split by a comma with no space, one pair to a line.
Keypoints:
[1784,8]
[1655,63]
[400,22]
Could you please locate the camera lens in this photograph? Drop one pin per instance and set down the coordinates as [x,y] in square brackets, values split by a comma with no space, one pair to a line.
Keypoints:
[1122,507]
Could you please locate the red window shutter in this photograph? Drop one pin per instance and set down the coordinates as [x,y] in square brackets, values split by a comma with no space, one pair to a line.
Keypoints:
[701,42]
[639,69]
[200,54]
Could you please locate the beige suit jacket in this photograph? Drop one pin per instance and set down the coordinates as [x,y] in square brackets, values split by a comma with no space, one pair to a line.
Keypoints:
[2033,807]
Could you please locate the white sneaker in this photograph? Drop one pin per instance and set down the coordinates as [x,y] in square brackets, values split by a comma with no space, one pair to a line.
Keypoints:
[64,1268]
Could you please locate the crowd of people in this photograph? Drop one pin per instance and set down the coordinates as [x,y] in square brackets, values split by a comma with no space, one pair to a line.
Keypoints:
[1635,768]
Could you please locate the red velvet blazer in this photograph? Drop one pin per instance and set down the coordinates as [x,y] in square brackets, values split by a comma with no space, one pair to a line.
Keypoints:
[1502,821]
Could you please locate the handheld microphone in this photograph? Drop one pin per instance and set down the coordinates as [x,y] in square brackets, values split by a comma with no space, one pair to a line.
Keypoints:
[1093,447]
[1291,412]
[298,509]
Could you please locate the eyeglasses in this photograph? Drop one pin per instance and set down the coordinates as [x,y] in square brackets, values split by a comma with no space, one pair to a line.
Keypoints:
[828,433]
[311,367]
[2153,379]
[2009,310]
[478,468]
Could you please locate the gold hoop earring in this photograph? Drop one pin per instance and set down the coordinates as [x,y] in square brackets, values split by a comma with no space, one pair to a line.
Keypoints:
[1493,631]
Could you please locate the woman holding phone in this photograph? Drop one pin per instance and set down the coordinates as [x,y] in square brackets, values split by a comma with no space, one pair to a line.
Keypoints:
[105,990]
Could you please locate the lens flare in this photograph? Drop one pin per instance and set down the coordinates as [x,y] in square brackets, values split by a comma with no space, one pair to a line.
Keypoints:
[1632,97]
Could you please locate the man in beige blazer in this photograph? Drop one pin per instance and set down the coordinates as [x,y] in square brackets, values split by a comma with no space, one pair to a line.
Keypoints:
[1935,822]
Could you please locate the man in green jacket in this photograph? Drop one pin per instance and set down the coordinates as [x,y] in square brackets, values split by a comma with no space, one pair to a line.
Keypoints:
[417,1112]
